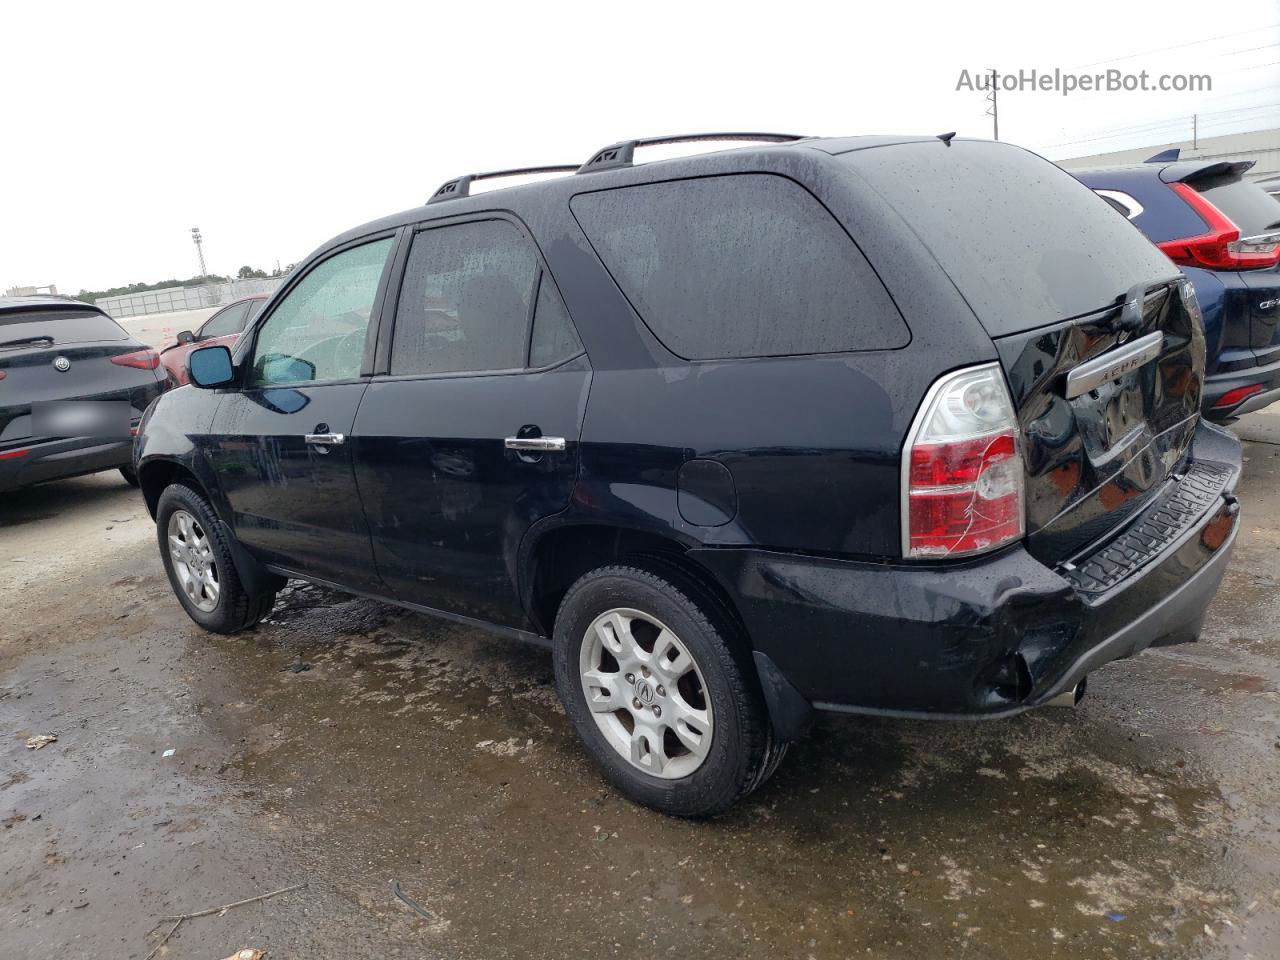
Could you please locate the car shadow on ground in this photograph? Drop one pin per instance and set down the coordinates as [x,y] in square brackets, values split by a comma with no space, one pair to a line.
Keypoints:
[45,501]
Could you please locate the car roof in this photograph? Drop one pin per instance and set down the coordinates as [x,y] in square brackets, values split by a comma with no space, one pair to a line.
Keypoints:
[831,146]
[44,302]
[1174,171]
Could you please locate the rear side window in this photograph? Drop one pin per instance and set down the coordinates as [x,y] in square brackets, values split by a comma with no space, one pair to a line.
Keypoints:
[1025,242]
[747,265]
[1246,204]
[70,326]
[465,301]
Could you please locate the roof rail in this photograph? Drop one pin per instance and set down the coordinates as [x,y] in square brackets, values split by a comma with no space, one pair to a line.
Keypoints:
[621,154]
[461,186]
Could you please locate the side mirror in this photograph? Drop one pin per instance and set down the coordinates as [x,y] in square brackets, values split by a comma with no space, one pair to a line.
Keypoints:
[210,367]
[186,336]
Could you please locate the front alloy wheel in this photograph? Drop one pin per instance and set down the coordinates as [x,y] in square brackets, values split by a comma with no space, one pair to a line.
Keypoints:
[646,693]
[193,560]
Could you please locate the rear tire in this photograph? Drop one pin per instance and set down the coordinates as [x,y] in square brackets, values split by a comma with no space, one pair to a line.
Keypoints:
[130,476]
[197,559]
[623,622]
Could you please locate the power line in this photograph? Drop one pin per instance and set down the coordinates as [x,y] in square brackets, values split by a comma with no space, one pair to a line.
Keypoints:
[1176,46]
[1157,125]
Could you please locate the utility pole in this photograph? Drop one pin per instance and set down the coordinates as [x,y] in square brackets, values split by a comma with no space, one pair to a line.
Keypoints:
[994,111]
[1195,131]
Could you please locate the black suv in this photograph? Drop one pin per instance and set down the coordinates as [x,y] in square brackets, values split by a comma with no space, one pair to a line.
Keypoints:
[891,425]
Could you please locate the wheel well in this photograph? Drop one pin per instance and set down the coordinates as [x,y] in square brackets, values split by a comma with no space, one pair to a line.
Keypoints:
[564,555]
[153,477]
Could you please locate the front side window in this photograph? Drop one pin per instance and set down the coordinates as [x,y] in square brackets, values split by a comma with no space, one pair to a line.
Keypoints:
[465,300]
[748,265]
[318,331]
[226,322]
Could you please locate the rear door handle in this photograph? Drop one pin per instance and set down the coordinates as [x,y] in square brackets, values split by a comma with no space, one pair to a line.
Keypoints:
[541,444]
[326,439]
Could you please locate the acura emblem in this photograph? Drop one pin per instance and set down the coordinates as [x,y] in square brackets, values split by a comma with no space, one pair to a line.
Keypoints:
[62,363]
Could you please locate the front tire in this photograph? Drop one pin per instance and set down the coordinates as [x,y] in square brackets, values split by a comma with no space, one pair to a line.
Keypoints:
[130,475]
[665,700]
[197,559]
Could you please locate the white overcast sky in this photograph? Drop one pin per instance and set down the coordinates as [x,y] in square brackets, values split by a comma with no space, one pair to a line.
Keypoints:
[273,126]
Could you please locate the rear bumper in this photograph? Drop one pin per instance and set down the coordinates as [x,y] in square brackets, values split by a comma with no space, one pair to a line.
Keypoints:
[1219,384]
[58,459]
[994,636]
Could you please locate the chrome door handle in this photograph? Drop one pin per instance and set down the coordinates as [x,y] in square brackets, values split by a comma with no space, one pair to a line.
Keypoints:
[552,444]
[326,439]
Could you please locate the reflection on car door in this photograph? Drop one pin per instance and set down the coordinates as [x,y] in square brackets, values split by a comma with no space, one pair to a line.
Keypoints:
[279,442]
[482,351]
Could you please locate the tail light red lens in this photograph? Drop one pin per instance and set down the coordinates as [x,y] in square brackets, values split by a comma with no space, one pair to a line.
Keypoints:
[143,359]
[963,475]
[1232,397]
[1221,248]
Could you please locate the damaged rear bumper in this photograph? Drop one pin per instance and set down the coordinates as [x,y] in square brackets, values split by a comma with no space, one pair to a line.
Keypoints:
[993,636]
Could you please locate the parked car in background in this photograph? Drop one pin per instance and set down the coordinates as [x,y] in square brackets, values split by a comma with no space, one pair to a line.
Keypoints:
[223,327]
[1224,232]
[73,386]
[905,426]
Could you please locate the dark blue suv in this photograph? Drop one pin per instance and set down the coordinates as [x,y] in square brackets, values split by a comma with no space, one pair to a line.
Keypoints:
[1224,232]
[906,426]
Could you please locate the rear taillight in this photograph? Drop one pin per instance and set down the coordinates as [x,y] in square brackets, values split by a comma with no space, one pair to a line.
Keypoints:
[962,468]
[1232,397]
[143,359]
[1221,248]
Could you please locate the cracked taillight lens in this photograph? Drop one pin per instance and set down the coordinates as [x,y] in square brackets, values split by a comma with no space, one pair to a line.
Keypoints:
[963,479]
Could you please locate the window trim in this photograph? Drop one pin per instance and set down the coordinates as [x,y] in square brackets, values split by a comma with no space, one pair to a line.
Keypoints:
[740,173]
[247,345]
[1133,209]
[386,339]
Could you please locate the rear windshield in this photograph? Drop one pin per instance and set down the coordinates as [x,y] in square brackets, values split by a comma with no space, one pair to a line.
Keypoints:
[1251,209]
[1025,242]
[69,326]
[748,265]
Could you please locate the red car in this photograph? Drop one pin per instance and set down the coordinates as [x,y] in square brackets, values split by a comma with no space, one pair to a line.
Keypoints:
[223,327]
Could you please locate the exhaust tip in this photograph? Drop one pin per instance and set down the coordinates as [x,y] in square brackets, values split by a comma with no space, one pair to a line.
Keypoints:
[1069,698]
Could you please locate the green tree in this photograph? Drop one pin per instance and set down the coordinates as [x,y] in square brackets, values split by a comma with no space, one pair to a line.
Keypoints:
[249,273]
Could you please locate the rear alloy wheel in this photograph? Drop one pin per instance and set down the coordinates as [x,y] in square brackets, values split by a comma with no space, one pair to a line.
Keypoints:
[193,561]
[662,690]
[646,693]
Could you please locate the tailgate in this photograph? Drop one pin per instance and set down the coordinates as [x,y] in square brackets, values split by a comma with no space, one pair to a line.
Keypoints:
[1108,405]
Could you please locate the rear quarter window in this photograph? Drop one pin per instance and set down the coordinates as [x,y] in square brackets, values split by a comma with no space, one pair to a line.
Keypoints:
[748,265]
[64,326]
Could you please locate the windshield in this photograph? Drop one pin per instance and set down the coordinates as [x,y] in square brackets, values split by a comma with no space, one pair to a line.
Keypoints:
[1248,206]
[30,328]
[1025,242]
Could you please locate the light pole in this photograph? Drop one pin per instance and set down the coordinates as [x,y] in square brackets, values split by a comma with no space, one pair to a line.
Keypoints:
[198,240]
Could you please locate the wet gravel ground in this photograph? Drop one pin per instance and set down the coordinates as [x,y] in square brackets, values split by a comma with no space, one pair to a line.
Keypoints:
[350,746]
